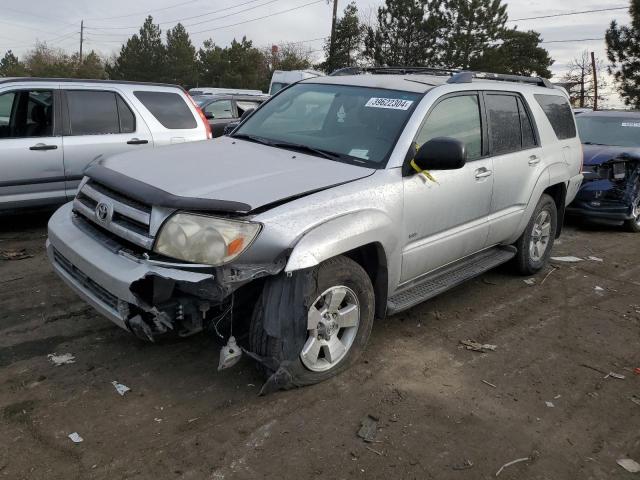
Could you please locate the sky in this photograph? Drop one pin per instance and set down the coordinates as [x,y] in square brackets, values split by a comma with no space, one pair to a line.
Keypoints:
[108,23]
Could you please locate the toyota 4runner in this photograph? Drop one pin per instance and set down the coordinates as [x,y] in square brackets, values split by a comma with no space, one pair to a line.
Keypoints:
[341,199]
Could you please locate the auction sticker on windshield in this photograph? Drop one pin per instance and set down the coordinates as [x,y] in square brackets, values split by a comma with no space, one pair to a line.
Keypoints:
[394,103]
[631,124]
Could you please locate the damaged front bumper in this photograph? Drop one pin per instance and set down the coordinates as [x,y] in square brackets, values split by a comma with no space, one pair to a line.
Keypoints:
[608,191]
[140,295]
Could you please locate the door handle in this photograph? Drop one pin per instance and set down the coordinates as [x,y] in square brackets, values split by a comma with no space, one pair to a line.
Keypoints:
[137,141]
[42,146]
[483,173]
[534,160]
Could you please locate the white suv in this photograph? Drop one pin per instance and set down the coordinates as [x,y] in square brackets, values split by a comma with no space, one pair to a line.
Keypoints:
[340,199]
[51,129]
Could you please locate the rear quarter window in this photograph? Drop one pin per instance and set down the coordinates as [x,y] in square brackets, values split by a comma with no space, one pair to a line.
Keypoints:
[170,109]
[559,114]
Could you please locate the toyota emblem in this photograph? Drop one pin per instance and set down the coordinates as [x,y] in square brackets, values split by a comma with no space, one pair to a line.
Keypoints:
[103,212]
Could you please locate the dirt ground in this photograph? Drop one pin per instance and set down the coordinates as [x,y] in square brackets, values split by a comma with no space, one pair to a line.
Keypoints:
[184,420]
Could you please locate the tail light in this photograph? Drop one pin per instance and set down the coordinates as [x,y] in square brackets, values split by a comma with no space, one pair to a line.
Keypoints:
[207,127]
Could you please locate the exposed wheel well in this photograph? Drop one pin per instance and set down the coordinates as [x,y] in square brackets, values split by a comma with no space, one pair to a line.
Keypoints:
[372,258]
[559,193]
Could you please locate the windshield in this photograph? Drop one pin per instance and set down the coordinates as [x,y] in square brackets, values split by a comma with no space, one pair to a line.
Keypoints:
[623,131]
[357,124]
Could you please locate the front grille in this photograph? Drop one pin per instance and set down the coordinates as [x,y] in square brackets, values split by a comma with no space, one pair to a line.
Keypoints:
[84,281]
[123,216]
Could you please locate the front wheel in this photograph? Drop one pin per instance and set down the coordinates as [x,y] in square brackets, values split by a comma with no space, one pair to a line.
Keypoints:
[338,302]
[535,244]
[633,224]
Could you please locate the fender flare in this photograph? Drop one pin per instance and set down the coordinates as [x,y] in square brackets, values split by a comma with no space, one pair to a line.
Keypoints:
[342,234]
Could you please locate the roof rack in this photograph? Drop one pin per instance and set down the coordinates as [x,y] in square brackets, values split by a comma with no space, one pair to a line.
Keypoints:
[467,77]
[457,76]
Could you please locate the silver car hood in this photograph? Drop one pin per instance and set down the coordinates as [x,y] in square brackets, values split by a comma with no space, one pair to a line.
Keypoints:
[233,170]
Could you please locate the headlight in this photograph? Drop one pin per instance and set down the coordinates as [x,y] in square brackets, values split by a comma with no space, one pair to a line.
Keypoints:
[202,239]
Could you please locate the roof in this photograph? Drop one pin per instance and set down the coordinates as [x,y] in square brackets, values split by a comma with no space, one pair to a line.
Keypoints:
[84,80]
[612,113]
[409,83]
[227,96]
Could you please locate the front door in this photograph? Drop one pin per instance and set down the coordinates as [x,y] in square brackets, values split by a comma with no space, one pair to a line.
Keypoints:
[31,166]
[219,114]
[98,123]
[447,220]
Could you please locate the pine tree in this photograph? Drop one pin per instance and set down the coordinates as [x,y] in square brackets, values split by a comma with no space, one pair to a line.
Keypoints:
[623,51]
[347,44]
[92,66]
[519,53]
[210,64]
[181,57]
[408,33]
[471,27]
[143,57]
[10,66]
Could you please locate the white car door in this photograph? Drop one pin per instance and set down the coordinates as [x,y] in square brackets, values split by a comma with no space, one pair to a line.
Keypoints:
[447,220]
[517,161]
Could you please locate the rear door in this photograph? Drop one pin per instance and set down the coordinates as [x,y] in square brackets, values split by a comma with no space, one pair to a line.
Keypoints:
[517,161]
[98,123]
[219,113]
[31,167]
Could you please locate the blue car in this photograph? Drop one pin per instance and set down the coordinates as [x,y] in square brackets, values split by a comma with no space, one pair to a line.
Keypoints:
[610,190]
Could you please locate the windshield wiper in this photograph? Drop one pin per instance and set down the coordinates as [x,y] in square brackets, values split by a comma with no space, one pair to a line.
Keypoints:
[306,148]
[252,138]
[594,143]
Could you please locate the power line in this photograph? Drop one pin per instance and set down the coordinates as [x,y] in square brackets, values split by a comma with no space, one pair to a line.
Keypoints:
[200,15]
[574,40]
[258,18]
[146,12]
[569,13]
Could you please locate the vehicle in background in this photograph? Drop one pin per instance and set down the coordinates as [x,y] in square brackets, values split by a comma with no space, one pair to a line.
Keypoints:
[52,129]
[611,167]
[339,200]
[284,78]
[220,110]
[221,91]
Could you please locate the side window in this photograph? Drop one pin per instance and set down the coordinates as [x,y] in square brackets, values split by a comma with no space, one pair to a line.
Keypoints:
[220,110]
[26,113]
[456,117]
[528,137]
[169,108]
[559,114]
[92,112]
[126,116]
[503,117]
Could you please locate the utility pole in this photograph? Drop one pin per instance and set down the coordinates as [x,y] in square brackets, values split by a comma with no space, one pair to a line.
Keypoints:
[595,81]
[333,27]
[81,38]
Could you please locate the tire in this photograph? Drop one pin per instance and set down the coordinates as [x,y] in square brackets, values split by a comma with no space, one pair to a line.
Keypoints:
[531,258]
[334,276]
[633,224]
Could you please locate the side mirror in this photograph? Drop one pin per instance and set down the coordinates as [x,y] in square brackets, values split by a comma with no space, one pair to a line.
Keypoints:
[246,113]
[209,115]
[441,153]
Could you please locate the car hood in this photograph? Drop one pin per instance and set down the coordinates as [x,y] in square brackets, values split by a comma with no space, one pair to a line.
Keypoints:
[598,154]
[228,171]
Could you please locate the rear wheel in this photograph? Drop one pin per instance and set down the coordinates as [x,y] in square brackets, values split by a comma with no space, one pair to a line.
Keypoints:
[339,321]
[535,244]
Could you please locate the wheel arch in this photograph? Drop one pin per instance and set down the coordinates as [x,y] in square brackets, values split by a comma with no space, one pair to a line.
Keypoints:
[559,194]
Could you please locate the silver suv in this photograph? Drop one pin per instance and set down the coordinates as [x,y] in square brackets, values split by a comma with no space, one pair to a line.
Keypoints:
[340,200]
[51,129]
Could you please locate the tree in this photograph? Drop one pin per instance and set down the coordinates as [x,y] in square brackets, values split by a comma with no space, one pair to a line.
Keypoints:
[623,51]
[408,33]
[92,66]
[579,80]
[44,61]
[349,36]
[471,27]
[519,53]
[181,57]
[142,58]
[10,66]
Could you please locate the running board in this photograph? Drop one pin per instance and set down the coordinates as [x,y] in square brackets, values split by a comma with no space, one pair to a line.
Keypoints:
[448,277]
